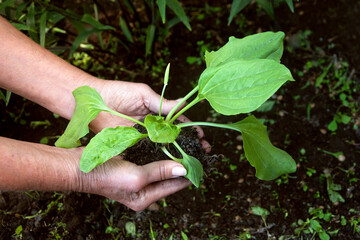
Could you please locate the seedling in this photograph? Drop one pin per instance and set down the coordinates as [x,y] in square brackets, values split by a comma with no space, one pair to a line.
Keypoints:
[238,78]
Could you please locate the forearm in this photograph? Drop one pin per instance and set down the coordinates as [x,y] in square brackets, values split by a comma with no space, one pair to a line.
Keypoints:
[31,166]
[33,72]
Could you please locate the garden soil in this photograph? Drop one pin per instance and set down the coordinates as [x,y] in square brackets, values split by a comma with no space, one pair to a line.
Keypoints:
[318,33]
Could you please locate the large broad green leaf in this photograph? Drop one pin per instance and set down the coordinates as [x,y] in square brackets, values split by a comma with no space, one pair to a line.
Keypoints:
[236,7]
[241,86]
[266,45]
[194,169]
[107,144]
[160,131]
[88,105]
[270,162]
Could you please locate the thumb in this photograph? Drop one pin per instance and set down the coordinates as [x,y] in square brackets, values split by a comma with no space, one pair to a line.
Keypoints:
[162,170]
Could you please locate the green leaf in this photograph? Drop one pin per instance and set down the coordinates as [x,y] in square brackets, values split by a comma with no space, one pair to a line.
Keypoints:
[241,86]
[266,106]
[345,119]
[194,169]
[107,144]
[175,6]
[30,22]
[162,9]
[150,34]
[332,189]
[159,130]
[332,125]
[291,5]
[23,27]
[6,97]
[315,225]
[236,7]
[260,211]
[270,162]
[266,45]
[43,19]
[126,30]
[20,9]
[267,6]
[7,3]
[87,18]
[324,236]
[88,105]
[81,38]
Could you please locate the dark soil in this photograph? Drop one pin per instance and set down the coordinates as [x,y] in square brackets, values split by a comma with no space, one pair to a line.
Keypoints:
[221,207]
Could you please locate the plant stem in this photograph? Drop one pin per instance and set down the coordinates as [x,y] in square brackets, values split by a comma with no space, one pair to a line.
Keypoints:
[192,103]
[126,117]
[169,154]
[173,110]
[209,124]
[166,80]
[179,148]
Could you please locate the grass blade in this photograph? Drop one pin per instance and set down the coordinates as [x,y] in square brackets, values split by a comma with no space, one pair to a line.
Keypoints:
[126,30]
[43,19]
[162,9]
[236,7]
[175,6]
[150,34]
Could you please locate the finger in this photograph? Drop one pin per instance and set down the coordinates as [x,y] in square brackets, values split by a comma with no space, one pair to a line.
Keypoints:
[162,170]
[155,191]
[205,145]
[198,129]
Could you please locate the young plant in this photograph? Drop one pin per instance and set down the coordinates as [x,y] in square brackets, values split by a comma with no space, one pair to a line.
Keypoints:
[238,78]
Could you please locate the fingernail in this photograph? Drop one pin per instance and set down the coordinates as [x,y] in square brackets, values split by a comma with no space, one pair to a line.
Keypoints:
[178,171]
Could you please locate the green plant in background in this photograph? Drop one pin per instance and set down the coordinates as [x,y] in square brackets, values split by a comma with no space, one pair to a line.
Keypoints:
[313,225]
[266,5]
[239,78]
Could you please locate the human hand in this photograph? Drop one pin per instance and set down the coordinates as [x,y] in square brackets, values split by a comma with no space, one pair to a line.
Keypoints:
[137,186]
[135,100]
[132,99]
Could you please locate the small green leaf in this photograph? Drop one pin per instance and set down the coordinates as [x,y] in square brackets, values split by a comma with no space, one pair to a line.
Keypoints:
[291,5]
[107,144]
[30,22]
[175,6]
[43,19]
[236,7]
[130,229]
[260,211]
[270,162]
[162,9]
[267,6]
[266,45]
[241,86]
[7,3]
[126,30]
[194,169]
[324,236]
[345,119]
[150,34]
[159,130]
[332,125]
[87,18]
[266,106]
[315,225]
[81,38]
[88,105]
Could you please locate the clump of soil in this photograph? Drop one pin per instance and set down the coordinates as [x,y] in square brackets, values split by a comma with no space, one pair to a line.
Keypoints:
[146,151]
